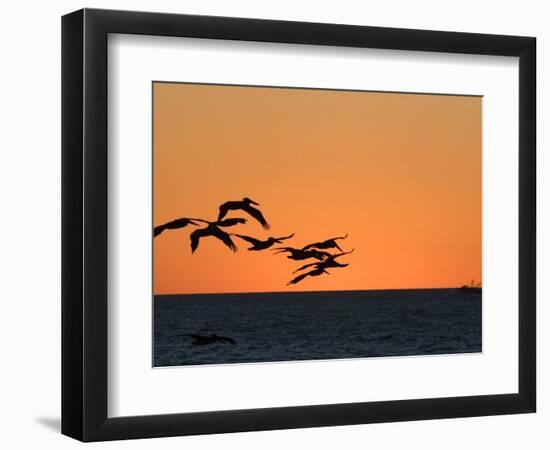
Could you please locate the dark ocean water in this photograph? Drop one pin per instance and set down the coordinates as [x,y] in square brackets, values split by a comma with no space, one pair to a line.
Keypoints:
[315,325]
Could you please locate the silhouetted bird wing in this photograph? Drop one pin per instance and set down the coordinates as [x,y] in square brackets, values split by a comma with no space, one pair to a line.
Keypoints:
[157,230]
[339,237]
[320,245]
[329,243]
[230,222]
[284,238]
[337,264]
[250,239]
[257,214]
[319,255]
[223,210]
[298,278]
[330,263]
[172,225]
[306,266]
[195,237]
[342,254]
[283,249]
[333,242]
[225,238]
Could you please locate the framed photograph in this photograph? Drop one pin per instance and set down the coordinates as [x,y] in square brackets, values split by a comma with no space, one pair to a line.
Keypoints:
[267,224]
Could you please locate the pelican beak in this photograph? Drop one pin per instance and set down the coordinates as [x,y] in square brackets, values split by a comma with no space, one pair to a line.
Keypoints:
[254,203]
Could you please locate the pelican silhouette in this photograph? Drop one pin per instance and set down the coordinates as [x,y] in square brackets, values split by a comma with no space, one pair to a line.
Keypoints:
[314,273]
[213,338]
[213,229]
[298,254]
[175,224]
[329,243]
[244,205]
[258,244]
[327,263]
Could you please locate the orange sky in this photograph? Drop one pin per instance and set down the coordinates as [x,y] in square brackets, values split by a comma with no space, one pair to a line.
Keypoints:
[401,173]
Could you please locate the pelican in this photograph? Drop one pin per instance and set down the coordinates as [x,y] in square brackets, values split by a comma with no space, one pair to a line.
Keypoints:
[314,273]
[175,224]
[329,243]
[327,263]
[213,338]
[258,244]
[213,229]
[298,254]
[244,205]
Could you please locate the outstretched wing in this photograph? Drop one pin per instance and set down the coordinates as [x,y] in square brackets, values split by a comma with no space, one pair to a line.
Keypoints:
[310,246]
[282,249]
[305,266]
[250,239]
[284,238]
[298,278]
[342,254]
[257,214]
[195,237]
[317,254]
[291,251]
[329,243]
[339,237]
[173,225]
[224,208]
[225,238]
[231,222]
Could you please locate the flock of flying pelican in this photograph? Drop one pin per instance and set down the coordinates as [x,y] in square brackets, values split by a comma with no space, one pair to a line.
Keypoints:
[318,250]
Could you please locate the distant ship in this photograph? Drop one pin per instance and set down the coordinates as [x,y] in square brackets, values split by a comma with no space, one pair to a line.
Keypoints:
[472,288]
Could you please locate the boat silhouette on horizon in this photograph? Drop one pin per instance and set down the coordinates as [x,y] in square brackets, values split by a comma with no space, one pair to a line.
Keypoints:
[472,288]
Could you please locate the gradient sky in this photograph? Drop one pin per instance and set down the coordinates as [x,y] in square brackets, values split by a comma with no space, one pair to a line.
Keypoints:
[401,173]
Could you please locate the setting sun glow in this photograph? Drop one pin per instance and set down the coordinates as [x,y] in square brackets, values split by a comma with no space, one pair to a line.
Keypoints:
[399,173]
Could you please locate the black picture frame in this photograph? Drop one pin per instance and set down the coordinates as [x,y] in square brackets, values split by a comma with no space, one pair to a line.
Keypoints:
[84,224]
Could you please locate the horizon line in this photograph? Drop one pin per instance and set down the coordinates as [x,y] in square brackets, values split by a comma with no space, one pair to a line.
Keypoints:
[310,292]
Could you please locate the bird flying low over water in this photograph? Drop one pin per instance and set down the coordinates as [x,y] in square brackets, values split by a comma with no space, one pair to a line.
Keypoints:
[299,254]
[258,244]
[314,273]
[213,229]
[213,338]
[328,263]
[329,243]
[175,224]
[244,205]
